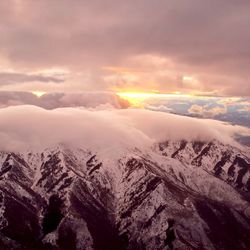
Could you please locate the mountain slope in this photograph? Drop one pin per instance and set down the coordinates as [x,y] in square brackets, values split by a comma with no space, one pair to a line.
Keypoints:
[189,195]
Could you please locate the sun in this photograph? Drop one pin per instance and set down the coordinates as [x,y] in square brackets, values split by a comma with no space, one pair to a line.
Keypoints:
[38,93]
[136,99]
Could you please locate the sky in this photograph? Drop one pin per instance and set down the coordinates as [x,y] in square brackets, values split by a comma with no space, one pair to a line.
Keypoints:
[192,47]
[67,61]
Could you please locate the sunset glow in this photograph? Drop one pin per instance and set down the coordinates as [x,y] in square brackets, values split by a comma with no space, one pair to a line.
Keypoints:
[137,98]
[39,93]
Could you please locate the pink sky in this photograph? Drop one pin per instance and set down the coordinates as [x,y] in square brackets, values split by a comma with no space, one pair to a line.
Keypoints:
[142,45]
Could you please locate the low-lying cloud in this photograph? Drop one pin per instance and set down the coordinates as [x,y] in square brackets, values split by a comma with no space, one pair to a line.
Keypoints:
[206,111]
[107,131]
[59,100]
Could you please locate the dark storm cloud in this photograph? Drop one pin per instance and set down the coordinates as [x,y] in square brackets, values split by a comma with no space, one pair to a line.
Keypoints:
[207,38]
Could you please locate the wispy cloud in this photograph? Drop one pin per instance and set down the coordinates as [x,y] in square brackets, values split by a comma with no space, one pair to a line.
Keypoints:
[7,78]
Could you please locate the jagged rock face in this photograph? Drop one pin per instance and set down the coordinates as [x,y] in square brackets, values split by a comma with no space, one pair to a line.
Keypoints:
[227,163]
[180,195]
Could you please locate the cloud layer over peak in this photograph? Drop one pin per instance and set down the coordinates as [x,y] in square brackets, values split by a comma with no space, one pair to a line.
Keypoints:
[107,131]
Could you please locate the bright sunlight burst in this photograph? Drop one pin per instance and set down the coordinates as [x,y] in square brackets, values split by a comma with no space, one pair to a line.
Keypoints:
[39,93]
[137,99]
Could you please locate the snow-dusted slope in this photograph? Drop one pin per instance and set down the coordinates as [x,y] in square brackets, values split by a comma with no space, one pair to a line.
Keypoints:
[67,198]
[228,163]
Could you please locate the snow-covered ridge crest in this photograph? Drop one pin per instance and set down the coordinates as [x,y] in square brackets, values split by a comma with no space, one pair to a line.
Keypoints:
[108,131]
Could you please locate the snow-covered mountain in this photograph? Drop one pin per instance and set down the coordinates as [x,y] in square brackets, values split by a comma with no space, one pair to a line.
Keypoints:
[180,194]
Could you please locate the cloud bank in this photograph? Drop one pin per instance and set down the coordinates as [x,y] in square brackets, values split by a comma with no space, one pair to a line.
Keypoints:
[59,100]
[110,132]
[206,111]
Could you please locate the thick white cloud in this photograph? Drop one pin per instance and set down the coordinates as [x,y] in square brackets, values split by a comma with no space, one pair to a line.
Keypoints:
[107,131]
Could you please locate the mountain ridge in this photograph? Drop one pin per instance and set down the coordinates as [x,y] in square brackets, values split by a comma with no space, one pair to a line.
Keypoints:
[75,199]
